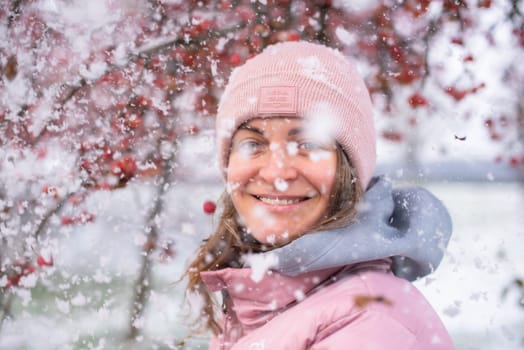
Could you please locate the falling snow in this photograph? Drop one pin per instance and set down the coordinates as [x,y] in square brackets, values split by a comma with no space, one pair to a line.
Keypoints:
[281,185]
[90,120]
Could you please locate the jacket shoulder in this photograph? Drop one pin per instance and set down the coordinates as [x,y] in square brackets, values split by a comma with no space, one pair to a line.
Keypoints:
[382,306]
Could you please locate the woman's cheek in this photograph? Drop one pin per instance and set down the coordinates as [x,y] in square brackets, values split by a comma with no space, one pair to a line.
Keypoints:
[239,172]
[322,173]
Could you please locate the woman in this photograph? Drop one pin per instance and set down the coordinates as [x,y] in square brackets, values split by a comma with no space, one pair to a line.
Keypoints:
[310,252]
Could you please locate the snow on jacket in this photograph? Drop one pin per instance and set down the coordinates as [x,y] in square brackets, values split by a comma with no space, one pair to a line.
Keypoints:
[335,289]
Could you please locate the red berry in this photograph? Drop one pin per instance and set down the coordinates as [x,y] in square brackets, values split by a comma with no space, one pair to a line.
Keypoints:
[41,261]
[394,136]
[417,100]
[209,207]
[50,190]
[469,58]
[457,41]
[235,59]
[143,101]
[125,167]
[67,220]
[484,3]
[514,162]
[457,94]
[193,130]
[396,53]
[293,36]
[225,5]
[406,76]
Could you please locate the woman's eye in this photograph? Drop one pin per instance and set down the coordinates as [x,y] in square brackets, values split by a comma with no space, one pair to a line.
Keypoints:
[310,146]
[249,147]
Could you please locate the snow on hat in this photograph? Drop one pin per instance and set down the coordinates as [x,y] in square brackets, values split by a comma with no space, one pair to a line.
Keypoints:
[301,79]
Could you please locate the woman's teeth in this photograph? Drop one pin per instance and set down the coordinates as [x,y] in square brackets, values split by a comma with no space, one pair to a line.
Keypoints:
[276,201]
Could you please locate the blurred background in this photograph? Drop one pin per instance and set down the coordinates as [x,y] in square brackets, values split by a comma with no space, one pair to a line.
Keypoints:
[107,172]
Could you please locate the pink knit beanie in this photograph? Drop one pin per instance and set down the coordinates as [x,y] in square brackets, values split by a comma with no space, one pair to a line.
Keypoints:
[301,79]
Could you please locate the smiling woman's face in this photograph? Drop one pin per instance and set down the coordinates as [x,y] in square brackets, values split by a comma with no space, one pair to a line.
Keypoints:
[280,177]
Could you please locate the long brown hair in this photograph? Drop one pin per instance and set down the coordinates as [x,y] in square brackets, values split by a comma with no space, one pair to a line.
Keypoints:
[230,241]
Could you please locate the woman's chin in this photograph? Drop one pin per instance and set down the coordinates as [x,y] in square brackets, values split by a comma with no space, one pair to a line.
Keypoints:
[271,238]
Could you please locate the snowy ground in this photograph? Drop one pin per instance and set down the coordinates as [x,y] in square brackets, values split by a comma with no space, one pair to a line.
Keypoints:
[484,255]
[85,304]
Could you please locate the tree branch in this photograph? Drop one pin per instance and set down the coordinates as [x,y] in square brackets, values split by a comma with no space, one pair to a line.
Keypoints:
[321,34]
[431,31]
[14,12]
[145,53]
[142,285]
[50,213]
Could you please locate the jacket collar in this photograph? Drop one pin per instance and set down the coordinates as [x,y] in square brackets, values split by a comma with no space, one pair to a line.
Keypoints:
[256,300]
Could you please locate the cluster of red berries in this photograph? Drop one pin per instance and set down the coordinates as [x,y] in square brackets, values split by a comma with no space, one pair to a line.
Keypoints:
[22,269]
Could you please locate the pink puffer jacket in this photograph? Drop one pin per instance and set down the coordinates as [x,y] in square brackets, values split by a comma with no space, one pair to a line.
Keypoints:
[359,307]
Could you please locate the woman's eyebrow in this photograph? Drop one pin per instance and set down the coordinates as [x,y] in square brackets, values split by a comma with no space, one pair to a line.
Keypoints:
[251,128]
[295,131]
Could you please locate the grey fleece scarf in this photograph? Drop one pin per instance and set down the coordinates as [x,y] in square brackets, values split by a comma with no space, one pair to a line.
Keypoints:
[409,225]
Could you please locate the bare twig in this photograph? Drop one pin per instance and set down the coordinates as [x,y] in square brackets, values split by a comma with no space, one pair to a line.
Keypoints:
[59,205]
[142,284]
[321,33]
[433,27]
[14,12]
[515,10]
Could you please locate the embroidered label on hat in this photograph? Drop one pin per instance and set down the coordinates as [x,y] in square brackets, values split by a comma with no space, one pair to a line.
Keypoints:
[277,100]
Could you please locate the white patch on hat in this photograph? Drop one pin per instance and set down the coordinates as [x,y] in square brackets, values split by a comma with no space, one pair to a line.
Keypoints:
[321,122]
[226,127]
[313,68]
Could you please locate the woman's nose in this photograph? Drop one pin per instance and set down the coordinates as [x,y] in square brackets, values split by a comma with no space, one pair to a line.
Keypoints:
[278,166]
